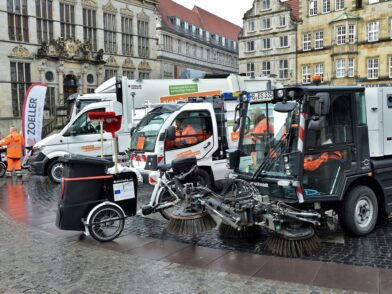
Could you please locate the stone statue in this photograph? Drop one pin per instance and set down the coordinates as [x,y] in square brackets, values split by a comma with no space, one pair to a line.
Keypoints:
[99,56]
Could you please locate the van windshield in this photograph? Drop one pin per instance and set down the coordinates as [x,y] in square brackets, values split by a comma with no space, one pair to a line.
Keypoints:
[146,132]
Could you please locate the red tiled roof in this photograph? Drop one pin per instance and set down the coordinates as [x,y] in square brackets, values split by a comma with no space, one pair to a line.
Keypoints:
[198,17]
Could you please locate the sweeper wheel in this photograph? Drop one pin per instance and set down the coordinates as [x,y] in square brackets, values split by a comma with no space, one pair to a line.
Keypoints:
[189,223]
[248,233]
[293,242]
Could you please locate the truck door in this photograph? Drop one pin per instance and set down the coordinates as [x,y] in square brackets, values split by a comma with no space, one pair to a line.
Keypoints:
[329,148]
[85,137]
[194,136]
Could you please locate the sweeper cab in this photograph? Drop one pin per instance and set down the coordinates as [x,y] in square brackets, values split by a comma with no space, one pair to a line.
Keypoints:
[321,148]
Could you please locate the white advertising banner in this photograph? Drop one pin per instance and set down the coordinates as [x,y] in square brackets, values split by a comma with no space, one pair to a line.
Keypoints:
[33,113]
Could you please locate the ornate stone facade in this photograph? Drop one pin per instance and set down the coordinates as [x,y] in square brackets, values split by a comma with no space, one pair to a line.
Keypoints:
[71,65]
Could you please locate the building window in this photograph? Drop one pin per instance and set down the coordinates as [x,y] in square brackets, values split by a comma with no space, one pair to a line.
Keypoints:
[351,68]
[265,4]
[341,35]
[326,6]
[306,41]
[312,7]
[265,23]
[351,34]
[340,68]
[127,30]
[109,30]
[179,46]
[129,74]
[284,41]
[251,26]
[110,73]
[266,44]
[50,102]
[283,69]
[390,67]
[372,68]
[250,46]
[44,20]
[282,20]
[20,82]
[339,4]
[250,69]
[390,27]
[306,74]
[144,75]
[142,32]
[319,40]
[90,28]
[372,31]
[67,20]
[17,20]
[266,68]
[319,70]
[168,43]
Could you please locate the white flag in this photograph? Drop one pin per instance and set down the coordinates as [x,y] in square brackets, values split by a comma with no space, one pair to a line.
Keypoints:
[33,113]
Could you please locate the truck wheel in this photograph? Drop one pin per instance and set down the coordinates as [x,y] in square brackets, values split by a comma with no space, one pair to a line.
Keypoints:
[203,178]
[55,171]
[358,212]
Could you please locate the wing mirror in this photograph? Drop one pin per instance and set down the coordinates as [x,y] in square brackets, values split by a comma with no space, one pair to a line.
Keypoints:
[171,133]
[321,103]
[132,131]
[72,131]
[285,106]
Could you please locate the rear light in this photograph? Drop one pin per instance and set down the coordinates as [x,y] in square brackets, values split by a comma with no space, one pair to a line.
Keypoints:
[62,188]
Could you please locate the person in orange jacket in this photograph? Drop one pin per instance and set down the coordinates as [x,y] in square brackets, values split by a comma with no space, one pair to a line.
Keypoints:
[185,134]
[312,163]
[14,142]
[261,126]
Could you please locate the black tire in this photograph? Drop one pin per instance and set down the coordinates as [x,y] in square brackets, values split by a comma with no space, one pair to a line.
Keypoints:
[55,171]
[102,228]
[358,213]
[3,169]
[164,197]
[203,178]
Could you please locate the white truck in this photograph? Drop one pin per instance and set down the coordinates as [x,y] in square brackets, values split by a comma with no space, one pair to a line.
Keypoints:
[210,117]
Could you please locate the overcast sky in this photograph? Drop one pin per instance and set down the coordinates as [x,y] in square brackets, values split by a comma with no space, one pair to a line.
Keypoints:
[231,10]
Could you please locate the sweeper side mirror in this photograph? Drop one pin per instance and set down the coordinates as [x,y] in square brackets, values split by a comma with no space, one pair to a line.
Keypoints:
[285,106]
[321,103]
[171,133]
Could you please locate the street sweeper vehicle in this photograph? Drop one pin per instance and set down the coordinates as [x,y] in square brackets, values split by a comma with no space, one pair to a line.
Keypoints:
[302,151]
[202,124]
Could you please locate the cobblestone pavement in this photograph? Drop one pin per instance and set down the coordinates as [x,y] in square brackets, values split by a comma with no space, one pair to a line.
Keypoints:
[35,261]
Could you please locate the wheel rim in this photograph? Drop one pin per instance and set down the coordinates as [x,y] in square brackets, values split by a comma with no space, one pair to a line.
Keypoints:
[107,228]
[364,211]
[57,172]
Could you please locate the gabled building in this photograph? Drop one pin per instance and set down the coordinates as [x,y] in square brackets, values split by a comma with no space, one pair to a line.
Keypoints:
[194,42]
[268,40]
[345,42]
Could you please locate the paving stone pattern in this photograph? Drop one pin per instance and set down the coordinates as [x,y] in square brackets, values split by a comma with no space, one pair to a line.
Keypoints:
[34,261]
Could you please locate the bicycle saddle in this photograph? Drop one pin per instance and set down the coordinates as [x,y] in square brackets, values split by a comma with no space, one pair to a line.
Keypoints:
[164,167]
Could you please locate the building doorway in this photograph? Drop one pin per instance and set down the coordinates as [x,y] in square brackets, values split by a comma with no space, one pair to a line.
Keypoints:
[70,87]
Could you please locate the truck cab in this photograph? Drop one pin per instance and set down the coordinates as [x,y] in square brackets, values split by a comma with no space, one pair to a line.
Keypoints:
[315,152]
[196,126]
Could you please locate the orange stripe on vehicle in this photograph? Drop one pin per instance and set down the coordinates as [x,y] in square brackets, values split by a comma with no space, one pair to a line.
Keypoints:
[88,178]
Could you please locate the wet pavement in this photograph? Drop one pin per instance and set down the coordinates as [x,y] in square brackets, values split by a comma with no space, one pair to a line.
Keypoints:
[205,261]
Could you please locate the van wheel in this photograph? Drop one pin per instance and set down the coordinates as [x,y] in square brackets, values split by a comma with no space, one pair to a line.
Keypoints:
[203,178]
[55,171]
[358,212]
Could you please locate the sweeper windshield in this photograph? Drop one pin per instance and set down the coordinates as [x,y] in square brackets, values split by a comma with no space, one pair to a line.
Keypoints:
[268,138]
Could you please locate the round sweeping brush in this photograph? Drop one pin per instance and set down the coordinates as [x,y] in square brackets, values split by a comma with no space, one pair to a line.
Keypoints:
[248,233]
[189,223]
[293,242]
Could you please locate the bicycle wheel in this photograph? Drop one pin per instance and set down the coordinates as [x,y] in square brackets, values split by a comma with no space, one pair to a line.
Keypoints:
[107,223]
[165,197]
[3,169]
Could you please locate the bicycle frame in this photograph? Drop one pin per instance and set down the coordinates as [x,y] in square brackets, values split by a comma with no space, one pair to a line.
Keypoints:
[162,184]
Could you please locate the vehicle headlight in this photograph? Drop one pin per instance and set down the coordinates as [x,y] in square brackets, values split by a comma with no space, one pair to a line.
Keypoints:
[280,93]
[287,166]
[285,159]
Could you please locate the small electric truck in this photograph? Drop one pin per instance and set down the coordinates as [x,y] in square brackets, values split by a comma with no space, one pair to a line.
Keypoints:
[324,148]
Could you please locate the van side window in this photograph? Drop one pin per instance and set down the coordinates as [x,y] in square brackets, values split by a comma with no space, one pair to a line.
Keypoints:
[192,128]
[83,125]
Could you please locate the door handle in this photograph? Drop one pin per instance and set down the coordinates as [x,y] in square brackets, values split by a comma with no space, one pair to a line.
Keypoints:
[207,145]
[99,140]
